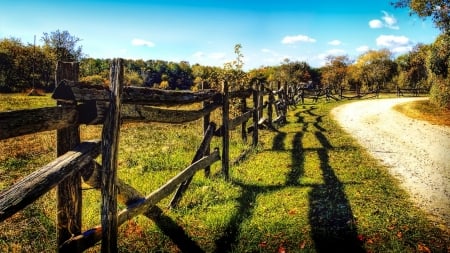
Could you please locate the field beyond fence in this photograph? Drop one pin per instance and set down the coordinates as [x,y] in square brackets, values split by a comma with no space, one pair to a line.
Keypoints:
[301,185]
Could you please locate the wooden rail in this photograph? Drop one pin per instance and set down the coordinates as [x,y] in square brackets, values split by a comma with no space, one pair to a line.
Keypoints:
[79,103]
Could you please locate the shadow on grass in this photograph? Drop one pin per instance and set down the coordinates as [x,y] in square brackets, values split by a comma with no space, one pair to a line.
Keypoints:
[174,231]
[333,227]
[245,209]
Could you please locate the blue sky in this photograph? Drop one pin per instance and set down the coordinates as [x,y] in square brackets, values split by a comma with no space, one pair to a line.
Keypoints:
[205,31]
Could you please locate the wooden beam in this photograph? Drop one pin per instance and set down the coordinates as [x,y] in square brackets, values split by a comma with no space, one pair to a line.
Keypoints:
[110,147]
[38,183]
[225,131]
[79,92]
[68,192]
[204,146]
[29,121]
[92,236]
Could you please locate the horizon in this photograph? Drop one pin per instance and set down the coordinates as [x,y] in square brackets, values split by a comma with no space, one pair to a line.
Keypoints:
[205,32]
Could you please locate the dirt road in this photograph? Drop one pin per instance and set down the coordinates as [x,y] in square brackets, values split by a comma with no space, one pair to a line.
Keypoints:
[416,152]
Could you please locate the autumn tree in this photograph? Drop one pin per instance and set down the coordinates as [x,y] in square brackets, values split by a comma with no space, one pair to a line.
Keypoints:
[438,10]
[374,69]
[335,72]
[63,45]
[412,69]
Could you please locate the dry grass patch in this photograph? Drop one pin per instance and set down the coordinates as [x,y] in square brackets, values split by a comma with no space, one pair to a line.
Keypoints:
[424,110]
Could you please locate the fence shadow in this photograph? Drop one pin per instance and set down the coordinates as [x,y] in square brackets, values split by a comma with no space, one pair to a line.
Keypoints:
[332,223]
[174,231]
[245,209]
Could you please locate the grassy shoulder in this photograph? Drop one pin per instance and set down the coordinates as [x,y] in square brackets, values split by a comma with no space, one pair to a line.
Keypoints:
[424,110]
[307,187]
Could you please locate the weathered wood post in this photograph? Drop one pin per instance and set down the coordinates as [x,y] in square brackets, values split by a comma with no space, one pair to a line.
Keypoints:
[68,192]
[244,124]
[110,146]
[225,133]
[206,120]
[255,115]
[260,89]
[270,107]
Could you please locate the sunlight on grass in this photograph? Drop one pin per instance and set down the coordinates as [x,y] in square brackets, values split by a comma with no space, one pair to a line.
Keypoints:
[424,110]
[308,185]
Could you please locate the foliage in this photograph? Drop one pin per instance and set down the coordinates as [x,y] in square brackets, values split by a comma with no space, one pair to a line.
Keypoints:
[307,186]
[335,72]
[63,46]
[413,72]
[374,69]
[438,10]
[233,71]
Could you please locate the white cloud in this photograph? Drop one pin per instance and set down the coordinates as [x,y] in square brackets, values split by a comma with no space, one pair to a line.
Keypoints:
[141,42]
[297,38]
[390,41]
[389,21]
[362,49]
[213,56]
[217,55]
[335,42]
[375,23]
[336,52]
[198,54]
[396,44]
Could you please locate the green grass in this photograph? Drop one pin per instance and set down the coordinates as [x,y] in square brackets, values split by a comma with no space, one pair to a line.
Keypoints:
[306,188]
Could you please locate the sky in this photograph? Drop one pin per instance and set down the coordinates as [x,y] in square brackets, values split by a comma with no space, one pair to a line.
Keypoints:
[206,31]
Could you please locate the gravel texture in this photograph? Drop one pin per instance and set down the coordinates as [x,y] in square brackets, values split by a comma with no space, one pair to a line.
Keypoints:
[416,152]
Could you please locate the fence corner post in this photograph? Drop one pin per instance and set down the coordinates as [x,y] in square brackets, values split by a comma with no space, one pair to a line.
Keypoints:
[225,134]
[68,192]
[110,145]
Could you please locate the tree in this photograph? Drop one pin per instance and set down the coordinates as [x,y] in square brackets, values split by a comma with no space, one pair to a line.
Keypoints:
[63,45]
[334,73]
[412,68]
[233,71]
[374,69]
[439,10]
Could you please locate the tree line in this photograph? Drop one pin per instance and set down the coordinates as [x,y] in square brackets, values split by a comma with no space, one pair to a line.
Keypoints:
[23,67]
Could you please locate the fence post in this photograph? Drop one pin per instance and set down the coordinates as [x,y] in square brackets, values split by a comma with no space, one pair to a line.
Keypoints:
[225,133]
[255,115]
[206,120]
[110,145]
[260,99]
[244,124]
[270,107]
[68,192]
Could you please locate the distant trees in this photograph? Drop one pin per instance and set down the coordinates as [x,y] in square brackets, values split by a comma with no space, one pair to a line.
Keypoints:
[438,10]
[335,72]
[438,55]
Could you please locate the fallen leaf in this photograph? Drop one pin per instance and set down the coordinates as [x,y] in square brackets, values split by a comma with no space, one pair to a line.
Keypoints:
[302,245]
[262,244]
[360,238]
[399,234]
[422,248]
[281,249]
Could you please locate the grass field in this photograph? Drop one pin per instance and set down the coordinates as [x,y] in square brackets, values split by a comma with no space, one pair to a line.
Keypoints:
[308,187]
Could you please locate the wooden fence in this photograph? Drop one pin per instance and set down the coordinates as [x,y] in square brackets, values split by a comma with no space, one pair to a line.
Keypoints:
[79,104]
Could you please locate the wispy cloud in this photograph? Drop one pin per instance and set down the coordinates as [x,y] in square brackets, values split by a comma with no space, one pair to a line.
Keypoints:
[388,21]
[141,42]
[335,42]
[397,44]
[362,49]
[297,38]
[213,56]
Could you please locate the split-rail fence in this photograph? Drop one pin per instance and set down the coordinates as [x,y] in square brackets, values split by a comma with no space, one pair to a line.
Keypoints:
[79,104]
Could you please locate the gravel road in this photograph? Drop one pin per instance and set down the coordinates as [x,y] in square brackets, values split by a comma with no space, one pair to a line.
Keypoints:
[416,152]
